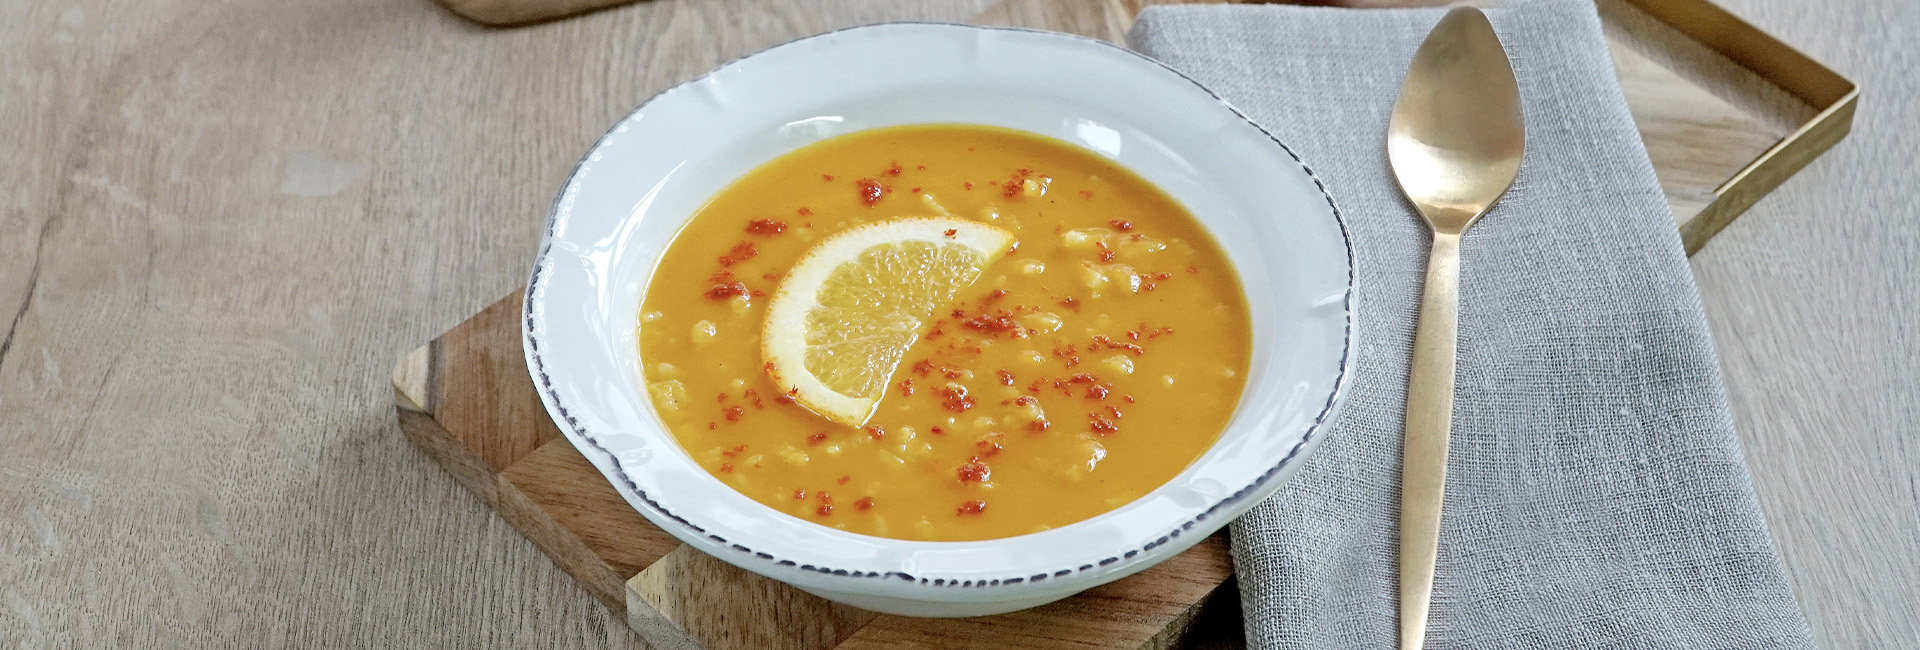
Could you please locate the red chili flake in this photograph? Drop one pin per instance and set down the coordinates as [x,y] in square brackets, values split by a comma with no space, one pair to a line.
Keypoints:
[1006,378]
[915,190]
[1133,335]
[995,323]
[865,503]
[939,329]
[876,432]
[816,438]
[1025,400]
[920,167]
[996,295]
[713,425]
[766,227]
[1114,410]
[1128,398]
[1121,225]
[733,413]
[752,395]
[728,290]
[805,211]
[1150,280]
[938,431]
[1096,392]
[726,467]
[974,471]
[827,177]
[972,507]
[720,276]
[1070,302]
[1039,425]
[800,494]
[824,509]
[906,387]
[1103,341]
[1101,425]
[769,368]
[988,448]
[959,313]
[740,252]
[843,480]
[1191,269]
[1083,378]
[1015,248]
[951,232]
[954,398]
[968,184]
[730,453]
[870,191]
[923,367]
[1086,194]
[1157,333]
[895,169]
[721,398]
[1105,254]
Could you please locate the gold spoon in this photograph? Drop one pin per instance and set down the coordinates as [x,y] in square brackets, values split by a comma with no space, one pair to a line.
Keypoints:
[1454,142]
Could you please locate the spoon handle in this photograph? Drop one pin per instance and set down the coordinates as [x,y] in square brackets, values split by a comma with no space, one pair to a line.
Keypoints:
[1423,473]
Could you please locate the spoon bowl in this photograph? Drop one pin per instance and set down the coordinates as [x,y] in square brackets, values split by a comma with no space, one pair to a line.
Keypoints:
[1456,135]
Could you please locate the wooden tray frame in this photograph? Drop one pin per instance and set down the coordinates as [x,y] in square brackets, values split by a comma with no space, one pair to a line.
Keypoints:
[1832,96]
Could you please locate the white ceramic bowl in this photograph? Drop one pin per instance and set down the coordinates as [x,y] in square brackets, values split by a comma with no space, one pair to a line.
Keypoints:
[645,178]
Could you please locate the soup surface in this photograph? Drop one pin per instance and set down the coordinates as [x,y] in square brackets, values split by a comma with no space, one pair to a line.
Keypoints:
[1093,360]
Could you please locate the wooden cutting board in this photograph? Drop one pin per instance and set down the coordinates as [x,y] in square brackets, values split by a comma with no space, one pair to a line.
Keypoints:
[466,399]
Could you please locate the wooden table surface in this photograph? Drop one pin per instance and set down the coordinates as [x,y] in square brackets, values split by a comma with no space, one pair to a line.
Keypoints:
[221,222]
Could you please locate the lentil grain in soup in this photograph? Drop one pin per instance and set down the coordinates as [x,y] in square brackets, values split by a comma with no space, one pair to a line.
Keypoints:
[1090,363]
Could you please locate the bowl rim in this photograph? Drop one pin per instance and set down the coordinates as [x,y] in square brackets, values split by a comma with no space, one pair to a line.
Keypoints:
[771,565]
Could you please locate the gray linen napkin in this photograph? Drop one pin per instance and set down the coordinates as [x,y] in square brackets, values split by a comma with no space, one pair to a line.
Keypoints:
[1596,497]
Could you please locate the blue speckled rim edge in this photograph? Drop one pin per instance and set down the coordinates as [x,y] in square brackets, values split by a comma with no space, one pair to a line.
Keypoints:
[558,410]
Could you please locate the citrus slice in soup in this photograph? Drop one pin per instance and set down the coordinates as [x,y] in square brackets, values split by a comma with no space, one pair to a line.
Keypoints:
[849,310]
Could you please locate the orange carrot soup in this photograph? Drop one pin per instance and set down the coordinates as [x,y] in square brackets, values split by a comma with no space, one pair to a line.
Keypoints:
[944,332]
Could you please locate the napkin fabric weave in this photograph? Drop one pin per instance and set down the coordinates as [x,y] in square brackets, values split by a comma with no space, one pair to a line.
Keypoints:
[1596,496]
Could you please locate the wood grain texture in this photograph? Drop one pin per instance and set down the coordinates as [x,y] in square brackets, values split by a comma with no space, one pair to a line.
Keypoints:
[221,223]
[1812,297]
[721,607]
